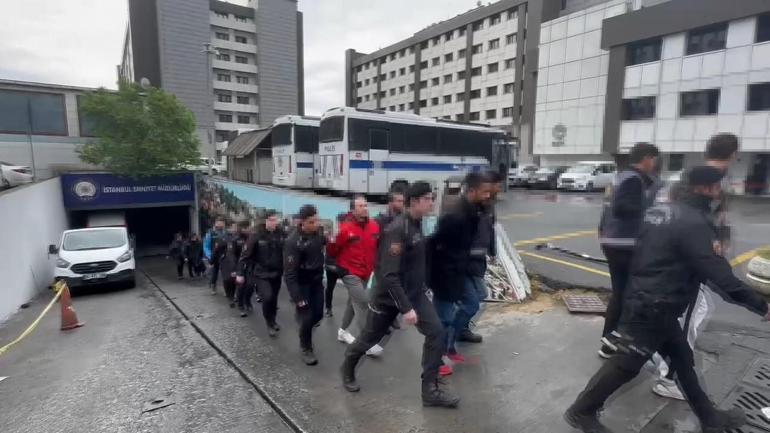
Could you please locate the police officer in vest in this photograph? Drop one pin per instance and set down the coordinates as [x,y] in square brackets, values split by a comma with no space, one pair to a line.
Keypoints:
[632,193]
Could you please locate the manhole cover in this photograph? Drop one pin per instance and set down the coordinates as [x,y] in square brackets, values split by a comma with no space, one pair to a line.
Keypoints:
[584,304]
[759,373]
[752,401]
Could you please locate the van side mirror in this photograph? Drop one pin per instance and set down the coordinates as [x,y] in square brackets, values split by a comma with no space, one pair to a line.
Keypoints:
[52,249]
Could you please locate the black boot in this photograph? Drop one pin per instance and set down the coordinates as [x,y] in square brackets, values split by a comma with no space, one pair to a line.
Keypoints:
[308,357]
[585,423]
[468,336]
[271,331]
[436,393]
[348,371]
[725,420]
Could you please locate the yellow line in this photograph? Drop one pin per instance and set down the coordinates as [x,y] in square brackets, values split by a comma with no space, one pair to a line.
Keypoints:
[520,215]
[58,287]
[745,257]
[566,263]
[554,238]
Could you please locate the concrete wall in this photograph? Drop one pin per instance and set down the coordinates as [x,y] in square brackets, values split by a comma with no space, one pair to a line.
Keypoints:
[31,218]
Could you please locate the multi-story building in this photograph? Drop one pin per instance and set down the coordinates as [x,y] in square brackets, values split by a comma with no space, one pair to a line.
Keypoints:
[614,73]
[235,67]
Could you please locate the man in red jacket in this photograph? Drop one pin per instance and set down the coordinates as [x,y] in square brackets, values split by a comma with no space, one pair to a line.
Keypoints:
[356,251]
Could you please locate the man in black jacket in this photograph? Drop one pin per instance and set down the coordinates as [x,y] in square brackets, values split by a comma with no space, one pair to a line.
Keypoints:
[632,194]
[678,245]
[395,208]
[261,267]
[401,288]
[304,267]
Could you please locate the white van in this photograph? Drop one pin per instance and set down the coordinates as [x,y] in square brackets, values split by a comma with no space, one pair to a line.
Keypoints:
[95,256]
[106,219]
[588,176]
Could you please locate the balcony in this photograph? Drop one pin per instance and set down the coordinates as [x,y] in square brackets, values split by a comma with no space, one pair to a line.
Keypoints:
[232,45]
[232,23]
[241,108]
[226,126]
[234,66]
[236,87]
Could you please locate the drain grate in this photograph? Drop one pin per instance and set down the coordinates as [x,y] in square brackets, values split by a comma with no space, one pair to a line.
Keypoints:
[752,401]
[759,374]
[584,304]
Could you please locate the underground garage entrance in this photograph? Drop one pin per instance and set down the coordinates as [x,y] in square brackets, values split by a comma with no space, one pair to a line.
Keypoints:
[152,209]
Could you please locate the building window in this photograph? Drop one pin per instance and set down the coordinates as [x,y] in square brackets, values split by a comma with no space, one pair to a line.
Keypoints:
[698,103]
[225,118]
[478,25]
[400,107]
[223,57]
[492,91]
[392,92]
[424,64]
[383,77]
[643,52]
[374,79]
[241,19]
[460,117]
[476,94]
[242,80]
[223,36]
[461,54]
[392,74]
[508,112]
[510,39]
[460,97]
[508,88]
[411,105]
[423,45]
[495,20]
[366,66]
[424,84]
[492,67]
[676,162]
[223,77]
[709,38]
[447,99]
[367,98]
[243,100]
[510,63]
[447,78]
[461,75]
[224,15]
[473,116]
[359,84]
[242,39]
[401,89]
[402,53]
[411,87]
[402,71]
[392,108]
[241,59]
[244,119]
[392,57]
[491,114]
[435,81]
[40,113]
[382,94]
[366,82]
[449,36]
[434,101]
[423,103]
[436,40]
[477,49]
[759,97]
[411,50]
[511,14]
[224,98]
[475,72]
[763,28]
[494,44]
[436,61]
[638,108]
[448,57]
[411,68]
[360,100]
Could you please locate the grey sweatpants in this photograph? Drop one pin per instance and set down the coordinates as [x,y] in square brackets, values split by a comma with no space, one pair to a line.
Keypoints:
[358,303]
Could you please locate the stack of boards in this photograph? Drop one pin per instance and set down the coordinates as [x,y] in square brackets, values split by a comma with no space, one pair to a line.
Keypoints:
[507,279]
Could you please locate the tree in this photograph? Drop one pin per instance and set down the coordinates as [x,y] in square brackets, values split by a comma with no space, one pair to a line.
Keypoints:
[140,132]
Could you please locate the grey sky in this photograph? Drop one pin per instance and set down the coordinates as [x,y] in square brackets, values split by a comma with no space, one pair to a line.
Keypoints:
[79,42]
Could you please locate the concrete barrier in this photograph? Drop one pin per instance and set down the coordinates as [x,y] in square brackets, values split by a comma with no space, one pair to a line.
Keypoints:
[31,218]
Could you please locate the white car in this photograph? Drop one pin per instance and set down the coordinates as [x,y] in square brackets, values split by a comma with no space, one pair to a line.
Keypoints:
[95,256]
[14,175]
[209,166]
[521,176]
[588,176]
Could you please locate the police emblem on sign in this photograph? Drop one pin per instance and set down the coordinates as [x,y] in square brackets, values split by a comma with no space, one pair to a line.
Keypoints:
[85,190]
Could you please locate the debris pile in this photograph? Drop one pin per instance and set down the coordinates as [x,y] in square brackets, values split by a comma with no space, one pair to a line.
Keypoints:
[506,277]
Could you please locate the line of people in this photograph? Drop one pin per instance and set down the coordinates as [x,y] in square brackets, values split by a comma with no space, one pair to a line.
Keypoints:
[187,252]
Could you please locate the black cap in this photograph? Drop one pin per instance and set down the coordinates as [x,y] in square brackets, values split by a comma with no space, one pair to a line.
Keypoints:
[704,175]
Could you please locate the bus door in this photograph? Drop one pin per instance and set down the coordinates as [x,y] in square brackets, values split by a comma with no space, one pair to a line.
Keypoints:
[379,151]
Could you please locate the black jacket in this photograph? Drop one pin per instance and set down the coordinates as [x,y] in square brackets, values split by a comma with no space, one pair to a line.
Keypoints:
[193,250]
[176,250]
[400,274]
[450,248]
[303,264]
[231,254]
[621,220]
[674,253]
[262,256]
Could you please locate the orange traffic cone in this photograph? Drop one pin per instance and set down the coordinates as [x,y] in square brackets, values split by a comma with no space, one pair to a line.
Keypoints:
[69,320]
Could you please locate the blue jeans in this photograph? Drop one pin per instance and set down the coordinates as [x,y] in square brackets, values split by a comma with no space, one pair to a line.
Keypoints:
[456,316]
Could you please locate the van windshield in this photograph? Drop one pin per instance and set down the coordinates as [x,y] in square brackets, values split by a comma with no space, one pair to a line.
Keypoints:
[581,168]
[94,240]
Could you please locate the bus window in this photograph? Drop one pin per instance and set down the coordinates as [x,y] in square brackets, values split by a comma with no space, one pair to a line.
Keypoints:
[379,139]
[332,129]
[305,139]
[281,135]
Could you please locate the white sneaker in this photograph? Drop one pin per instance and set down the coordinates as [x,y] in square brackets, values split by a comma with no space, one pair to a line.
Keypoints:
[345,336]
[375,350]
[669,389]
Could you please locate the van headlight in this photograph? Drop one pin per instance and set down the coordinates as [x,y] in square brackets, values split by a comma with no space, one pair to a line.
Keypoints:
[61,263]
[128,255]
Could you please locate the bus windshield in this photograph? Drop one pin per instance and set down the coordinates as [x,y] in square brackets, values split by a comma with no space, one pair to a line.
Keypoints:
[281,135]
[332,129]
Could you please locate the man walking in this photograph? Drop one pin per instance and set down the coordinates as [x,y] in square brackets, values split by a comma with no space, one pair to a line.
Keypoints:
[676,247]
[304,267]
[261,267]
[356,251]
[620,223]
[176,252]
[401,288]
[229,260]
[213,246]
[395,208]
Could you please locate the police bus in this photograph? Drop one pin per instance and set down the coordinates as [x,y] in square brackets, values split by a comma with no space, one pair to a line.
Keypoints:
[371,151]
[295,145]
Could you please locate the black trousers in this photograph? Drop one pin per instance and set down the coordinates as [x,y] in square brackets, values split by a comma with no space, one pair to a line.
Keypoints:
[229,284]
[179,267]
[191,270]
[310,314]
[213,274]
[428,323]
[268,289]
[331,282]
[661,334]
[619,261]
[243,294]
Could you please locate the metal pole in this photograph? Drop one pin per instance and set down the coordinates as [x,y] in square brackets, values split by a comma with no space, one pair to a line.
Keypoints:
[29,138]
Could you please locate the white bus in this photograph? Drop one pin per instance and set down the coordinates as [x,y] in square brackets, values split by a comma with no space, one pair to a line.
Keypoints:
[295,144]
[371,151]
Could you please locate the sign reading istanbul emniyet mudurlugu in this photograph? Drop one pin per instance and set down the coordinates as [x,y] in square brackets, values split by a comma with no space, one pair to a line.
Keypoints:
[104,190]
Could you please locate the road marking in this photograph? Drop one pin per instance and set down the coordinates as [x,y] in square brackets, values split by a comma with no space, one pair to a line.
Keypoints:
[745,257]
[520,215]
[565,263]
[554,238]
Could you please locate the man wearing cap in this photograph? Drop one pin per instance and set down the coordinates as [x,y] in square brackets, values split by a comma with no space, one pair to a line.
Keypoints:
[677,245]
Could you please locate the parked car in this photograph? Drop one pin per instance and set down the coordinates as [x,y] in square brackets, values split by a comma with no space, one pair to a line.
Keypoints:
[14,175]
[547,177]
[588,176]
[209,166]
[520,176]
